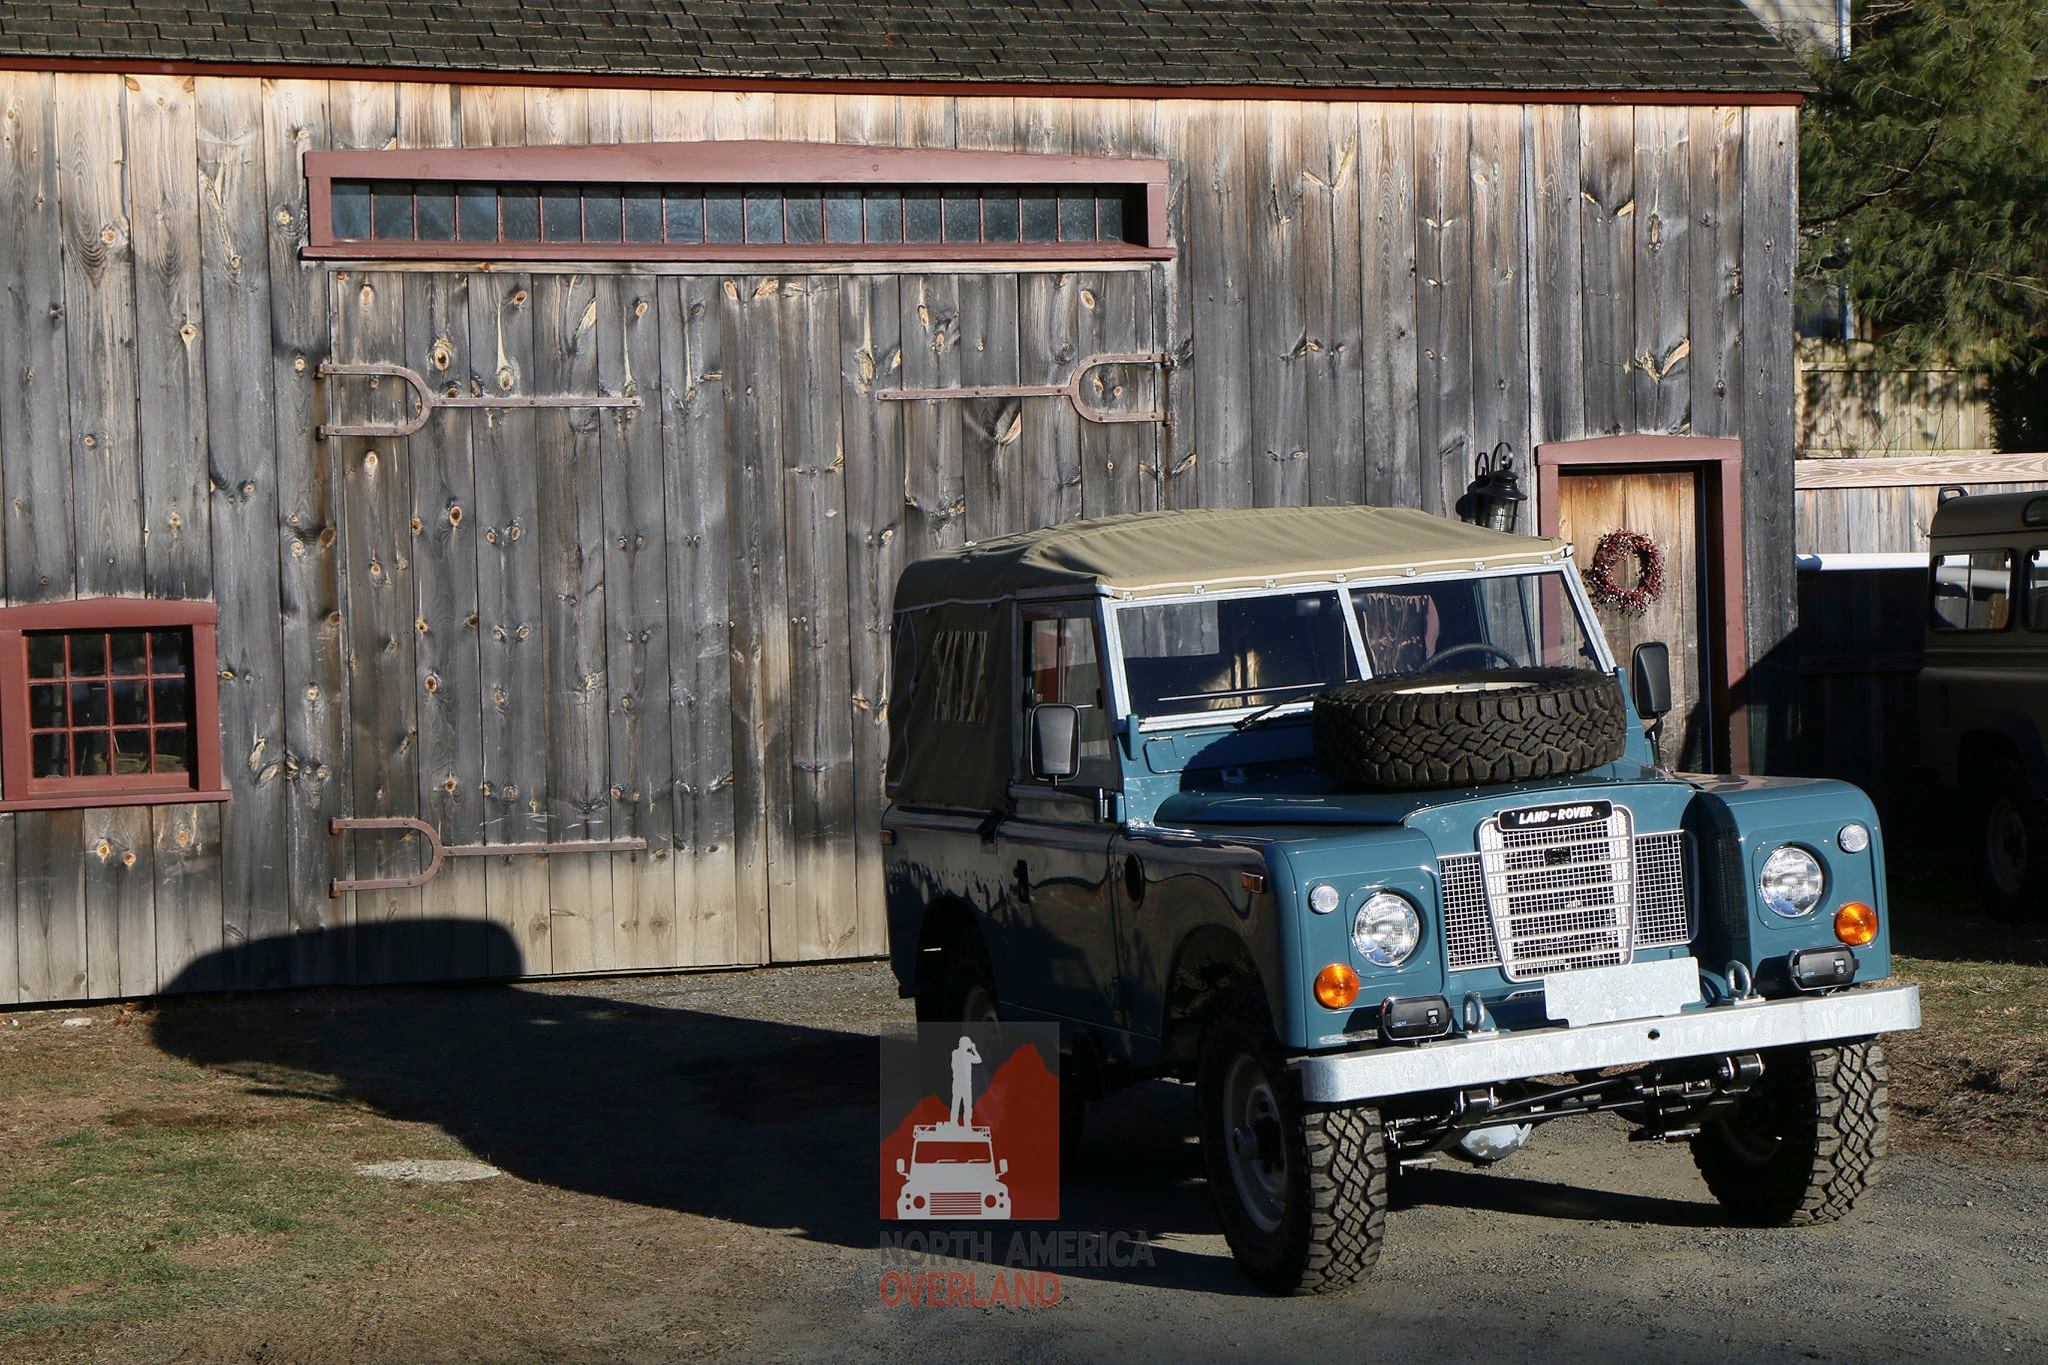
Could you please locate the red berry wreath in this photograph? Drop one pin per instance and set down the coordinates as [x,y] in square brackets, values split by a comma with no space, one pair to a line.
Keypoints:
[1607,556]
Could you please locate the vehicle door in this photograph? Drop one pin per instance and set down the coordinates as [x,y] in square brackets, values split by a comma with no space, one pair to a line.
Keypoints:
[1054,842]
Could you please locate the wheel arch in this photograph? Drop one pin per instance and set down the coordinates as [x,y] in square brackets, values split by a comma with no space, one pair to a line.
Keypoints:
[1209,960]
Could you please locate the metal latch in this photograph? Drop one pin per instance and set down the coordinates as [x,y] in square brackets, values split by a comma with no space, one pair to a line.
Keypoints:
[439,853]
[425,400]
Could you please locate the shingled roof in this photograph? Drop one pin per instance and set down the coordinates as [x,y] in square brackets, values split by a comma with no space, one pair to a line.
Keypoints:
[1471,45]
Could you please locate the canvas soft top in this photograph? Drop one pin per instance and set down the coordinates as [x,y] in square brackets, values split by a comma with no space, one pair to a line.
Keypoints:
[1155,553]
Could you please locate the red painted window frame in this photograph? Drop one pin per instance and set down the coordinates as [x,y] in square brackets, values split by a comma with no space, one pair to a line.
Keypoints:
[805,165]
[21,790]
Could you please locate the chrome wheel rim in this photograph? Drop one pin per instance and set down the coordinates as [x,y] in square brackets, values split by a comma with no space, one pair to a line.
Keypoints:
[1254,1142]
[2005,845]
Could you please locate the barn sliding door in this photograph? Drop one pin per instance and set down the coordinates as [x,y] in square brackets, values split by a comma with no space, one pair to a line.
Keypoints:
[670,622]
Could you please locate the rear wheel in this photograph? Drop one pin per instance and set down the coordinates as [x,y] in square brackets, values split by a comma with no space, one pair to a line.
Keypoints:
[962,989]
[1301,1190]
[2013,843]
[1805,1143]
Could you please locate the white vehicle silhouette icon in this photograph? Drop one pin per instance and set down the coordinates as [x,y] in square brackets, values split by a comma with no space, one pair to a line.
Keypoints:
[953,1171]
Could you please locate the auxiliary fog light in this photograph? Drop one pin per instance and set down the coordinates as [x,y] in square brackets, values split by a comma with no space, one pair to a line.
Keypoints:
[1336,987]
[1386,930]
[1323,898]
[1855,924]
[1853,838]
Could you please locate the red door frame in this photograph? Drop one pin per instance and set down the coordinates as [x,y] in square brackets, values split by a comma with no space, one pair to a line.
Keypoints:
[1718,460]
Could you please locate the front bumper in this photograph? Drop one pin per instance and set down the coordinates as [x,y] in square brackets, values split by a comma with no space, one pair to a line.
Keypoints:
[1717,1031]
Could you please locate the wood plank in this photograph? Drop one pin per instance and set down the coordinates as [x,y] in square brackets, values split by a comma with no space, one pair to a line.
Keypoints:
[1715,237]
[49,861]
[934,486]
[996,470]
[759,594]
[1661,356]
[1386,180]
[120,904]
[162,149]
[243,519]
[1769,250]
[1333,243]
[186,854]
[447,669]
[1443,303]
[1218,275]
[1908,471]
[1607,256]
[1557,354]
[1277,281]
[871,356]
[716,923]
[36,533]
[638,607]
[1116,313]
[10,902]
[513,672]
[820,917]
[99,308]
[1174,475]
[309,549]
[1500,297]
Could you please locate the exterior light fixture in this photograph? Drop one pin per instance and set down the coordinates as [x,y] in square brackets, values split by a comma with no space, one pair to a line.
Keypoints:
[1496,494]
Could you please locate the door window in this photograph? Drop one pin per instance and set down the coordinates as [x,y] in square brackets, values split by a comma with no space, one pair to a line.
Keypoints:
[2037,590]
[1062,664]
[1972,590]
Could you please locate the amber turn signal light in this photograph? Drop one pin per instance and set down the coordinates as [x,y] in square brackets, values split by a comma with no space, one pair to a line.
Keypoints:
[1855,924]
[1337,987]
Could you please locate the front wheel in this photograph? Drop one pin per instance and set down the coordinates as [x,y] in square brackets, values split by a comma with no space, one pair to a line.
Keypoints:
[1805,1143]
[2013,842]
[1301,1190]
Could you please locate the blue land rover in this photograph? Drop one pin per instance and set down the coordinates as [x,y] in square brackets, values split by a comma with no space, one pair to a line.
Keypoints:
[1347,816]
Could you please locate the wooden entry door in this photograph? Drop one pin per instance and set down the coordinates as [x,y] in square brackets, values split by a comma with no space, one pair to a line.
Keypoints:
[1669,506]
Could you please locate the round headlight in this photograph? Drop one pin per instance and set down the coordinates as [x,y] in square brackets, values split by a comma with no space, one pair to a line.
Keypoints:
[1324,898]
[1853,838]
[1791,883]
[1386,930]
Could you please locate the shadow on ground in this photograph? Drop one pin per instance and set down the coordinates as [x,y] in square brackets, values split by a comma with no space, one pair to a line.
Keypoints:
[763,1123]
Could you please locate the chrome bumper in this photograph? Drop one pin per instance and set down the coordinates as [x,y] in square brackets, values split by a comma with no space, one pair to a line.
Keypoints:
[1716,1031]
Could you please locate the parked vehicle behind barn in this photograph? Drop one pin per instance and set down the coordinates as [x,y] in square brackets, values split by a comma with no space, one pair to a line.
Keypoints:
[1344,814]
[1984,685]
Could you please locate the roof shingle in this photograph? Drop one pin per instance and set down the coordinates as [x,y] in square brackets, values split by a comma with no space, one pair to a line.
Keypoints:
[1503,45]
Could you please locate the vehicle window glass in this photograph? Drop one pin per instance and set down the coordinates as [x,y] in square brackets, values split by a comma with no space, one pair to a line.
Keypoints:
[1062,664]
[1519,621]
[1183,658]
[1972,590]
[2037,590]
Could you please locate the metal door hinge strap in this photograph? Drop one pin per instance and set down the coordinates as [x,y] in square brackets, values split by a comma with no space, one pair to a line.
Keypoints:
[425,400]
[1071,390]
[437,852]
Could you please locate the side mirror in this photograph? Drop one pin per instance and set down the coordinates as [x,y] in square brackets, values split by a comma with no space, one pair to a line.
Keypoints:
[1649,674]
[1055,740]
[1002,1168]
[901,1169]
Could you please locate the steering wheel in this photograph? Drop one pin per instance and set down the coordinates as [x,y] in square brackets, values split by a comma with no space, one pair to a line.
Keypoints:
[1435,661]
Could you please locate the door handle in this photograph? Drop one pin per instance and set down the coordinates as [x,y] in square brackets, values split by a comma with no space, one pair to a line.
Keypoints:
[1023,881]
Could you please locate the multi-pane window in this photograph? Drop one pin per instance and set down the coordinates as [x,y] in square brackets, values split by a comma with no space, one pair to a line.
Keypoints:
[707,200]
[108,702]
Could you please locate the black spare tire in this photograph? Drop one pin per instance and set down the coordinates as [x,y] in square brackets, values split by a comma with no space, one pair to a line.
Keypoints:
[1468,728]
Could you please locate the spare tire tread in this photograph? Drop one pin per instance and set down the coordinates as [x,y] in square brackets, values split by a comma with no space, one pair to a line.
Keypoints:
[1384,734]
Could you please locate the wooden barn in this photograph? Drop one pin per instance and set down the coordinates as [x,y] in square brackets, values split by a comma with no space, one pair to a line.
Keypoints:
[506,421]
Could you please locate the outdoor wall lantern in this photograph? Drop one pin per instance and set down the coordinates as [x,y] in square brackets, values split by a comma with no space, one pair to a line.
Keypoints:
[1496,495]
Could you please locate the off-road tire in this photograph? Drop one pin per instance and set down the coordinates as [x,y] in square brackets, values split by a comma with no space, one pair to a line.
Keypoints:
[2009,813]
[1469,728]
[1805,1143]
[1336,1203]
[963,968]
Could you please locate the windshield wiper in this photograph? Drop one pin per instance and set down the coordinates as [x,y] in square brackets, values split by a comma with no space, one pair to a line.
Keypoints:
[1264,711]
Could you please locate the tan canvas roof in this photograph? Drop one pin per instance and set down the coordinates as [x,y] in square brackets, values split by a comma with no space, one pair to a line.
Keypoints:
[1151,553]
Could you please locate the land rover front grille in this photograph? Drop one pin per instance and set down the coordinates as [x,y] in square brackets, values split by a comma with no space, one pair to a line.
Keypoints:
[1560,899]
[953,1204]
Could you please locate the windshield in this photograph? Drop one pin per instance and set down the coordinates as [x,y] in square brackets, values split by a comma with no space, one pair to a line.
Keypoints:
[1244,653]
[1229,653]
[953,1153]
[1519,621]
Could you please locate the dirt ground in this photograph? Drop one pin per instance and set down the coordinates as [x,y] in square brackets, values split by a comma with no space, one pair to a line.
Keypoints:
[688,1171]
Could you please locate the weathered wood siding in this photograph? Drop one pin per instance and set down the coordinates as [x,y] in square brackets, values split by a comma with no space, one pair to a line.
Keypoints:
[671,622]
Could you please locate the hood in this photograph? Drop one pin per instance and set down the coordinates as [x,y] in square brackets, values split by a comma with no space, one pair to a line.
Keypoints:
[1307,798]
